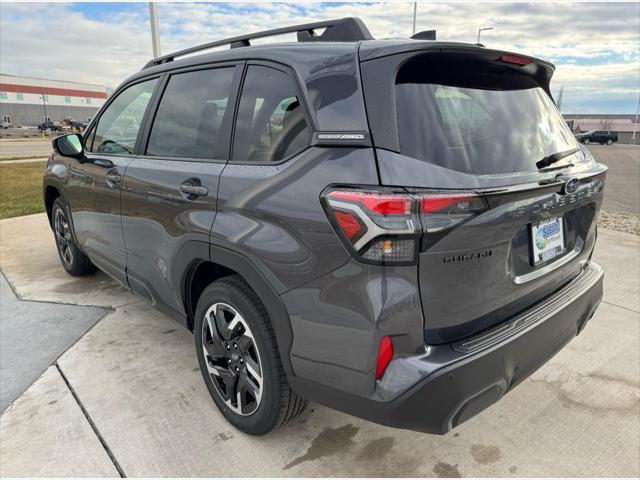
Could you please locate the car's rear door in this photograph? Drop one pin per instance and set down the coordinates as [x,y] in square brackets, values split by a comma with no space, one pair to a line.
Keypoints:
[95,182]
[472,134]
[169,190]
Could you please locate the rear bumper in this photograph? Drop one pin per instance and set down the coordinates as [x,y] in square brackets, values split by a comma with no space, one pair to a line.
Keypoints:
[449,384]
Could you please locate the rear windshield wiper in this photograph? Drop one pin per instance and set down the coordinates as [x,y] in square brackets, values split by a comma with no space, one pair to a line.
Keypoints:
[555,157]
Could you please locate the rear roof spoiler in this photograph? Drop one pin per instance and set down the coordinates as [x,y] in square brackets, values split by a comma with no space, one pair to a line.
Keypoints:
[349,29]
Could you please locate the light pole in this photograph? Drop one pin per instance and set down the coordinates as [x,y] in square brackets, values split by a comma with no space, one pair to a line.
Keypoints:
[480,30]
[415,12]
[155,29]
[635,125]
[44,105]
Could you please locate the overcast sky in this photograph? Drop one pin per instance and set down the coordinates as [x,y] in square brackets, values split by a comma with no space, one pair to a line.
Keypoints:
[595,46]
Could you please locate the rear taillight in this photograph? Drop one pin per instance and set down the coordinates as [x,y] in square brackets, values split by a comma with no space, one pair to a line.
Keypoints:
[384,226]
[441,211]
[379,226]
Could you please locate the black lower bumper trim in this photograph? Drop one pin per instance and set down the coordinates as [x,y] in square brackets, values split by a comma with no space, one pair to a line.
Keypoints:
[451,393]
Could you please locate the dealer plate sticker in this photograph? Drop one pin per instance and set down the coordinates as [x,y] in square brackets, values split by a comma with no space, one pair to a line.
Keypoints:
[548,240]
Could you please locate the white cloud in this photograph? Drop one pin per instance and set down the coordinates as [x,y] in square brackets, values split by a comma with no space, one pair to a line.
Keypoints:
[594,45]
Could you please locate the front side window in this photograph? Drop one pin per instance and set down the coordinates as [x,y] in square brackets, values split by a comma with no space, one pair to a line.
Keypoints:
[189,117]
[271,124]
[118,125]
[476,121]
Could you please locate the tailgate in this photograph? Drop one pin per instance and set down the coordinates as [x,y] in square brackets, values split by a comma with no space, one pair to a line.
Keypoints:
[510,200]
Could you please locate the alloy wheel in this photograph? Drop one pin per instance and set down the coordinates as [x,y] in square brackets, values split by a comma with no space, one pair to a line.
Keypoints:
[64,240]
[232,358]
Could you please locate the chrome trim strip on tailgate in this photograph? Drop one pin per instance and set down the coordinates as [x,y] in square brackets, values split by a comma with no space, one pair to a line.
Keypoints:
[538,313]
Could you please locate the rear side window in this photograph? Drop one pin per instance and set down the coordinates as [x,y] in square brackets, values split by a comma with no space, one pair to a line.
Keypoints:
[271,125]
[189,117]
[475,118]
[119,124]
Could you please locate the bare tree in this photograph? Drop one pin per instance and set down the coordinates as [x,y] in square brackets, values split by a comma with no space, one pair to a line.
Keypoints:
[606,123]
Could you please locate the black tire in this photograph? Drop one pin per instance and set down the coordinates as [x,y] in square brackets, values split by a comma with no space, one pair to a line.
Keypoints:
[278,404]
[73,260]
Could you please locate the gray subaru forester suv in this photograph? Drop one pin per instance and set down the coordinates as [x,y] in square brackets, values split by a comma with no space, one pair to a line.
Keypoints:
[398,229]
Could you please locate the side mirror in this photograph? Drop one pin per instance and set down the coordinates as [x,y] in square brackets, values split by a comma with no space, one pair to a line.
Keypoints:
[69,145]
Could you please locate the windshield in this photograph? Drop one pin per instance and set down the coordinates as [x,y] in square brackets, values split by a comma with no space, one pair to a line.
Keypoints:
[479,130]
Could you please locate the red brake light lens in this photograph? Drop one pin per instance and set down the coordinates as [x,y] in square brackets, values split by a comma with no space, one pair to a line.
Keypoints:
[385,354]
[435,202]
[380,203]
[349,224]
[516,60]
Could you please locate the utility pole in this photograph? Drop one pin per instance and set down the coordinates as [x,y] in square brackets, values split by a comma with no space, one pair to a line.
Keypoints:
[415,13]
[560,94]
[480,30]
[635,125]
[155,29]
[44,105]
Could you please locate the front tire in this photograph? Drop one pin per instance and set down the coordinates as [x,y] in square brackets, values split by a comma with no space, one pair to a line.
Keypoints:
[239,360]
[73,260]
[609,142]
[586,141]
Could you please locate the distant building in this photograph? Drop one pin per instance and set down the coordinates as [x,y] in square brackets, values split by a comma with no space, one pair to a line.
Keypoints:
[31,101]
[623,125]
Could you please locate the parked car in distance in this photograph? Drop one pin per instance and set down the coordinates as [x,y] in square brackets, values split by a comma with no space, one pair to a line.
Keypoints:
[603,137]
[4,124]
[398,229]
[53,126]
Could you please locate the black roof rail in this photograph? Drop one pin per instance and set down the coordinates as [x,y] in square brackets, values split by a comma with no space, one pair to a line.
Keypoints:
[348,29]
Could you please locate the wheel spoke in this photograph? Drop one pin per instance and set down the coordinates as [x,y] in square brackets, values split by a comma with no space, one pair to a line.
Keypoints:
[229,379]
[244,344]
[221,323]
[253,369]
[215,349]
[247,384]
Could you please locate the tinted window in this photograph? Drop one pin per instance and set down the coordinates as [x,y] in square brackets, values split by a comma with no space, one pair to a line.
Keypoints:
[477,121]
[190,114]
[119,124]
[271,125]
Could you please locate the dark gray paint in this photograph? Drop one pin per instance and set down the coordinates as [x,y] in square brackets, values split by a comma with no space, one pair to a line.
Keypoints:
[329,311]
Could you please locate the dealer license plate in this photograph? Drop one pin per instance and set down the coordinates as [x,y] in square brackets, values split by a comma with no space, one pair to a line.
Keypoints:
[547,240]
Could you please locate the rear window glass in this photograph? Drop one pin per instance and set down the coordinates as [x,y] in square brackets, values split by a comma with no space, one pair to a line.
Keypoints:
[492,124]
[190,114]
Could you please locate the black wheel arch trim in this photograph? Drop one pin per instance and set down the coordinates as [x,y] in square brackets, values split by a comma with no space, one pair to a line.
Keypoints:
[275,307]
[195,252]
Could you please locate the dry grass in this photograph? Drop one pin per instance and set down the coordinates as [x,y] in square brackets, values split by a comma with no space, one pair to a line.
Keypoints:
[21,189]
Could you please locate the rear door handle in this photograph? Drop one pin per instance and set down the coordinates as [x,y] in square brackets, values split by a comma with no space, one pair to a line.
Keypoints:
[193,190]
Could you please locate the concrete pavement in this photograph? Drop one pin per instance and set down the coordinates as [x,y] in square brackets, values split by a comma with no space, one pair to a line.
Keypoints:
[622,194]
[43,329]
[135,377]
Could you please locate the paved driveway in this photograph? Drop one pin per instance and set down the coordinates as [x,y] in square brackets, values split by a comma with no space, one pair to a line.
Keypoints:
[128,398]
[622,194]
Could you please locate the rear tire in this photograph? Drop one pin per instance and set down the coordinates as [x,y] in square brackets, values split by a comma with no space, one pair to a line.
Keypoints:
[586,141]
[239,359]
[73,260]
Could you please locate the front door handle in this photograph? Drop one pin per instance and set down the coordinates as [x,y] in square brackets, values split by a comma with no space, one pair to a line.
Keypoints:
[192,189]
[113,178]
